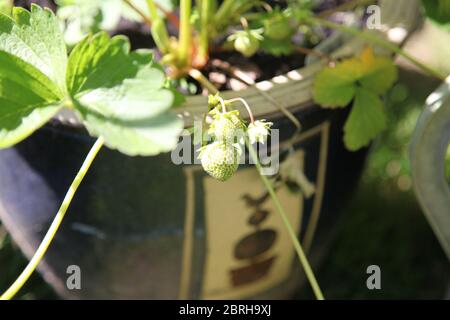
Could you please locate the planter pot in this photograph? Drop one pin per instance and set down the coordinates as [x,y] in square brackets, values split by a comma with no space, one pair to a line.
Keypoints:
[145,228]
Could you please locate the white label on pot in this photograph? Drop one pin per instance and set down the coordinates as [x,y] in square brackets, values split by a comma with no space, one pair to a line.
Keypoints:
[248,248]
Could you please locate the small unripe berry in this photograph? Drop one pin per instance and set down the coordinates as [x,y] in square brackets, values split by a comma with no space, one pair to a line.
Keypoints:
[227,126]
[220,160]
[246,41]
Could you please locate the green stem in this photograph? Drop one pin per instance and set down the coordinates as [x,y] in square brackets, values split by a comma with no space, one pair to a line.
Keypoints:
[205,17]
[381,42]
[37,257]
[298,247]
[185,33]
[158,29]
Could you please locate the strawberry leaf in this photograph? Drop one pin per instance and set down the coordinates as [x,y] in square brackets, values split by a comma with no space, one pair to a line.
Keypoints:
[363,79]
[120,96]
[335,86]
[366,120]
[35,38]
[379,73]
[32,70]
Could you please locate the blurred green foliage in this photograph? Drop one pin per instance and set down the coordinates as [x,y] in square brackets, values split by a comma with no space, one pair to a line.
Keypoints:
[383,224]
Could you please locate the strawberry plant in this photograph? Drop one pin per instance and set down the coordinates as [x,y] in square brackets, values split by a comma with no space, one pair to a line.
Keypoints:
[124,98]
[362,79]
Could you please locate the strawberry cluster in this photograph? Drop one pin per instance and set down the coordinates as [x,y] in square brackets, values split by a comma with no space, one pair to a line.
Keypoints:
[220,158]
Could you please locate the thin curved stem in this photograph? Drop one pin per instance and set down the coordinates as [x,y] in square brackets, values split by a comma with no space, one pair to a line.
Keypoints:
[222,102]
[250,113]
[298,247]
[244,23]
[239,75]
[381,42]
[26,273]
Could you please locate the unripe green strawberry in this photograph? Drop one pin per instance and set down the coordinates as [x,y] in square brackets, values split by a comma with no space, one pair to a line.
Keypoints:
[277,27]
[227,126]
[220,160]
[246,41]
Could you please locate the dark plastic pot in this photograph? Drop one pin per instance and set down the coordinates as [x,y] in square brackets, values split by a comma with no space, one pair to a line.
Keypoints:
[145,228]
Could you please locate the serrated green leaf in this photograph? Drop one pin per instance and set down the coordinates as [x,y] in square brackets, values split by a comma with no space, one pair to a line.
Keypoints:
[35,38]
[145,137]
[120,96]
[93,59]
[366,120]
[27,99]
[32,69]
[379,73]
[335,86]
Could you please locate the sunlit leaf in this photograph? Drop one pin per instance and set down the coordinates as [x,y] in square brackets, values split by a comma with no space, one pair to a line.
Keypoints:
[379,73]
[362,79]
[335,86]
[35,38]
[32,72]
[120,96]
